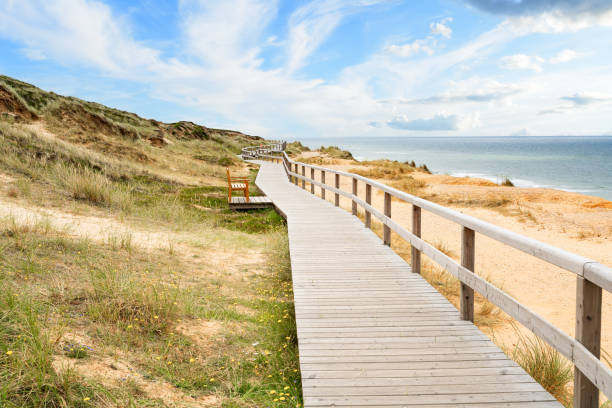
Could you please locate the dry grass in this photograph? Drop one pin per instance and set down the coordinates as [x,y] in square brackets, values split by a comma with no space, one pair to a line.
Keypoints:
[114,321]
[409,185]
[546,365]
[134,307]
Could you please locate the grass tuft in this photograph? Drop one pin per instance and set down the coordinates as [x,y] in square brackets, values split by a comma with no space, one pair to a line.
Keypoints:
[546,365]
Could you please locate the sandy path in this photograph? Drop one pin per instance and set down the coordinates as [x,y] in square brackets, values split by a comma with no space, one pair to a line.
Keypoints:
[91,227]
[205,248]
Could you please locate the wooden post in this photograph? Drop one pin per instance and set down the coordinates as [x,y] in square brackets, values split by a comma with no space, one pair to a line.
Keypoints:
[303,174]
[588,333]
[387,230]
[468,238]
[295,170]
[415,254]
[337,196]
[312,186]
[354,207]
[368,215]
[323,181]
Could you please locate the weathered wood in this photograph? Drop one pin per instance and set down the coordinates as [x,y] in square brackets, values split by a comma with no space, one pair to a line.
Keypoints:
[368,199]
[582,266]
[386,229]
[468,255]
[371,333]
[240,203]
[337,196]
[304,180]
[296,170]
[353,203]
[312,176]
[588,333]
[323,182]
[415,254]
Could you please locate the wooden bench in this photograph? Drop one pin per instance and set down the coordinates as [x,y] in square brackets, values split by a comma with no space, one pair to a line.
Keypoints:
[237,184]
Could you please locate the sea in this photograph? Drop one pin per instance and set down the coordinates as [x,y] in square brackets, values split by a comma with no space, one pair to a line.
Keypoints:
[578,164]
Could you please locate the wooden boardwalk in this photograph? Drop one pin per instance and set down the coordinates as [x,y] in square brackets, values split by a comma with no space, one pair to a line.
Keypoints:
[240,203]
[373,334]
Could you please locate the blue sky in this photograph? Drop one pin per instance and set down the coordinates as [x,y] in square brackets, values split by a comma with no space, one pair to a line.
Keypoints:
[328,68]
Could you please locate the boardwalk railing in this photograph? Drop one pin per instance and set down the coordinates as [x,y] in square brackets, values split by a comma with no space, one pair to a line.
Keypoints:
[591,375]
[252,152]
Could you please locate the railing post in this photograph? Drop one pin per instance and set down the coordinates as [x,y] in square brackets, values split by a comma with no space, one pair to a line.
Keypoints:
[468,252]
[354,205]
[368,214]
[588,333]
[304,175]
[312,186]
[295,170]
[337,185]
[415,254]
[387,230]
[323,181]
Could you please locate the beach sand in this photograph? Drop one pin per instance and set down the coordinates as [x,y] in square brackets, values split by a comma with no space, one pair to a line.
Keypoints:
[574,222]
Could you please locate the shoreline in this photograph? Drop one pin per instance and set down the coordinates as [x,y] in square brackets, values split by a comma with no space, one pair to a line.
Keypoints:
[556,171]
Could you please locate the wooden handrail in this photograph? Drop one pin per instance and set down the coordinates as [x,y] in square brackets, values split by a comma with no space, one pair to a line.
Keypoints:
[591,373]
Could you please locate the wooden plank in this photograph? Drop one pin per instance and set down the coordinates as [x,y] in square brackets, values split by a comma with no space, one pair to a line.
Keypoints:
[467,261]
[323,182]
[422,400]
[386,229]
[353,203]
[588,333]
[415,254]
[336,195]
[312,176]
[368,197]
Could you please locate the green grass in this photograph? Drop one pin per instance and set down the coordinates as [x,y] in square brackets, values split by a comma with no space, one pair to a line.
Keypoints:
[546,365]
[132,305]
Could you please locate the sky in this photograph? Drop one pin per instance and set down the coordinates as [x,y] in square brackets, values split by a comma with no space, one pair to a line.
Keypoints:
[326,68]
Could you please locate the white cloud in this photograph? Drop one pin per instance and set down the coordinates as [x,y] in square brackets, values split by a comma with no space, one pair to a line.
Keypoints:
[564,56]
[522,61]
[470,90]
[34,54]
[311,24]
[408,50]
[425,45]
[556,22]
[220,72]
[577,101]
[209,36]
[69,31]
[550,16]
[439,122]
[441,28]
[586,98]
[522,132]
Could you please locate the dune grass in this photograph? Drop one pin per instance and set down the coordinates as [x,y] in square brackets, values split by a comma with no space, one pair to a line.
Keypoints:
[137,308]
[546,365]
[106,321]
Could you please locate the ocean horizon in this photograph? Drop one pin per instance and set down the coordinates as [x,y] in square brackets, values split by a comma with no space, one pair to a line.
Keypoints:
[581,164]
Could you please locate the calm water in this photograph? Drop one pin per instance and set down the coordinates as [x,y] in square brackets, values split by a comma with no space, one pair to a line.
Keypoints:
[579,164]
